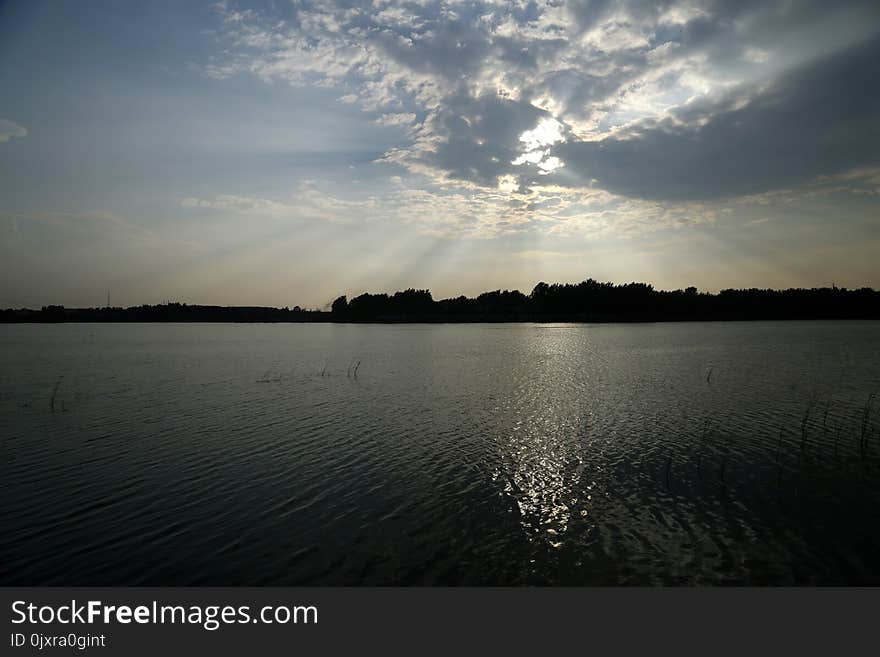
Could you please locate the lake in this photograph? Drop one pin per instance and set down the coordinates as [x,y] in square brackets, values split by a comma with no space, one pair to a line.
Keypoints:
[286,454]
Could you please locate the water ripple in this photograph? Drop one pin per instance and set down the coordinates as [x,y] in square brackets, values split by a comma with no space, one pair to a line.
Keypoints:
[515,454]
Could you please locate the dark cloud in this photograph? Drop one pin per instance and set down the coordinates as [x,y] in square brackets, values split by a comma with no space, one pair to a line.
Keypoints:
[480,136]
[450,48]
[814,121]
[474,73]
[587,14]
[818,120]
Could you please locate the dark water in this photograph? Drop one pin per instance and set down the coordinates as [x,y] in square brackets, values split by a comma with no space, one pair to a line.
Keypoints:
[478,454]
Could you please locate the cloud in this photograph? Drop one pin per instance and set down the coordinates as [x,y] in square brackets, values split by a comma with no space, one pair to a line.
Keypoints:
[818,120]
[472,138]
[404,119]
[64,228]
[308,203]
[10,129]
[673,100]
[460,210]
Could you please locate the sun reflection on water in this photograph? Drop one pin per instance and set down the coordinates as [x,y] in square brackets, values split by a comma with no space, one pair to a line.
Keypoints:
[542,463]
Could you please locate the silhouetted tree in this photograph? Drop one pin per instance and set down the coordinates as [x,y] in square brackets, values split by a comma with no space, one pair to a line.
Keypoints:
[339,306]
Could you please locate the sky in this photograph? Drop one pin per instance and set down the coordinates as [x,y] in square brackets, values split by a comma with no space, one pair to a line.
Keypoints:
[285,152]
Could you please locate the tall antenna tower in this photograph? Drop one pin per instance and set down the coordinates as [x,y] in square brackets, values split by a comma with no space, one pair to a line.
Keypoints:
[108,297]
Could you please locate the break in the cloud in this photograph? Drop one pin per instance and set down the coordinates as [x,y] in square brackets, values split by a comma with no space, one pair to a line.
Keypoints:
[10,129]
[675,100]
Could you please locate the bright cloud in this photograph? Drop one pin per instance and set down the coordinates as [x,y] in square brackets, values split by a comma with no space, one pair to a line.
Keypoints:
[10,129]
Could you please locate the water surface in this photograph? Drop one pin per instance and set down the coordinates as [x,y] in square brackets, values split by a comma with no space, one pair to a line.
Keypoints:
[693,453]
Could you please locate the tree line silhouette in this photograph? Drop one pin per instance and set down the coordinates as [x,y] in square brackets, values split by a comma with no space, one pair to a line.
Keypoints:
[587,301]
[592,300]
